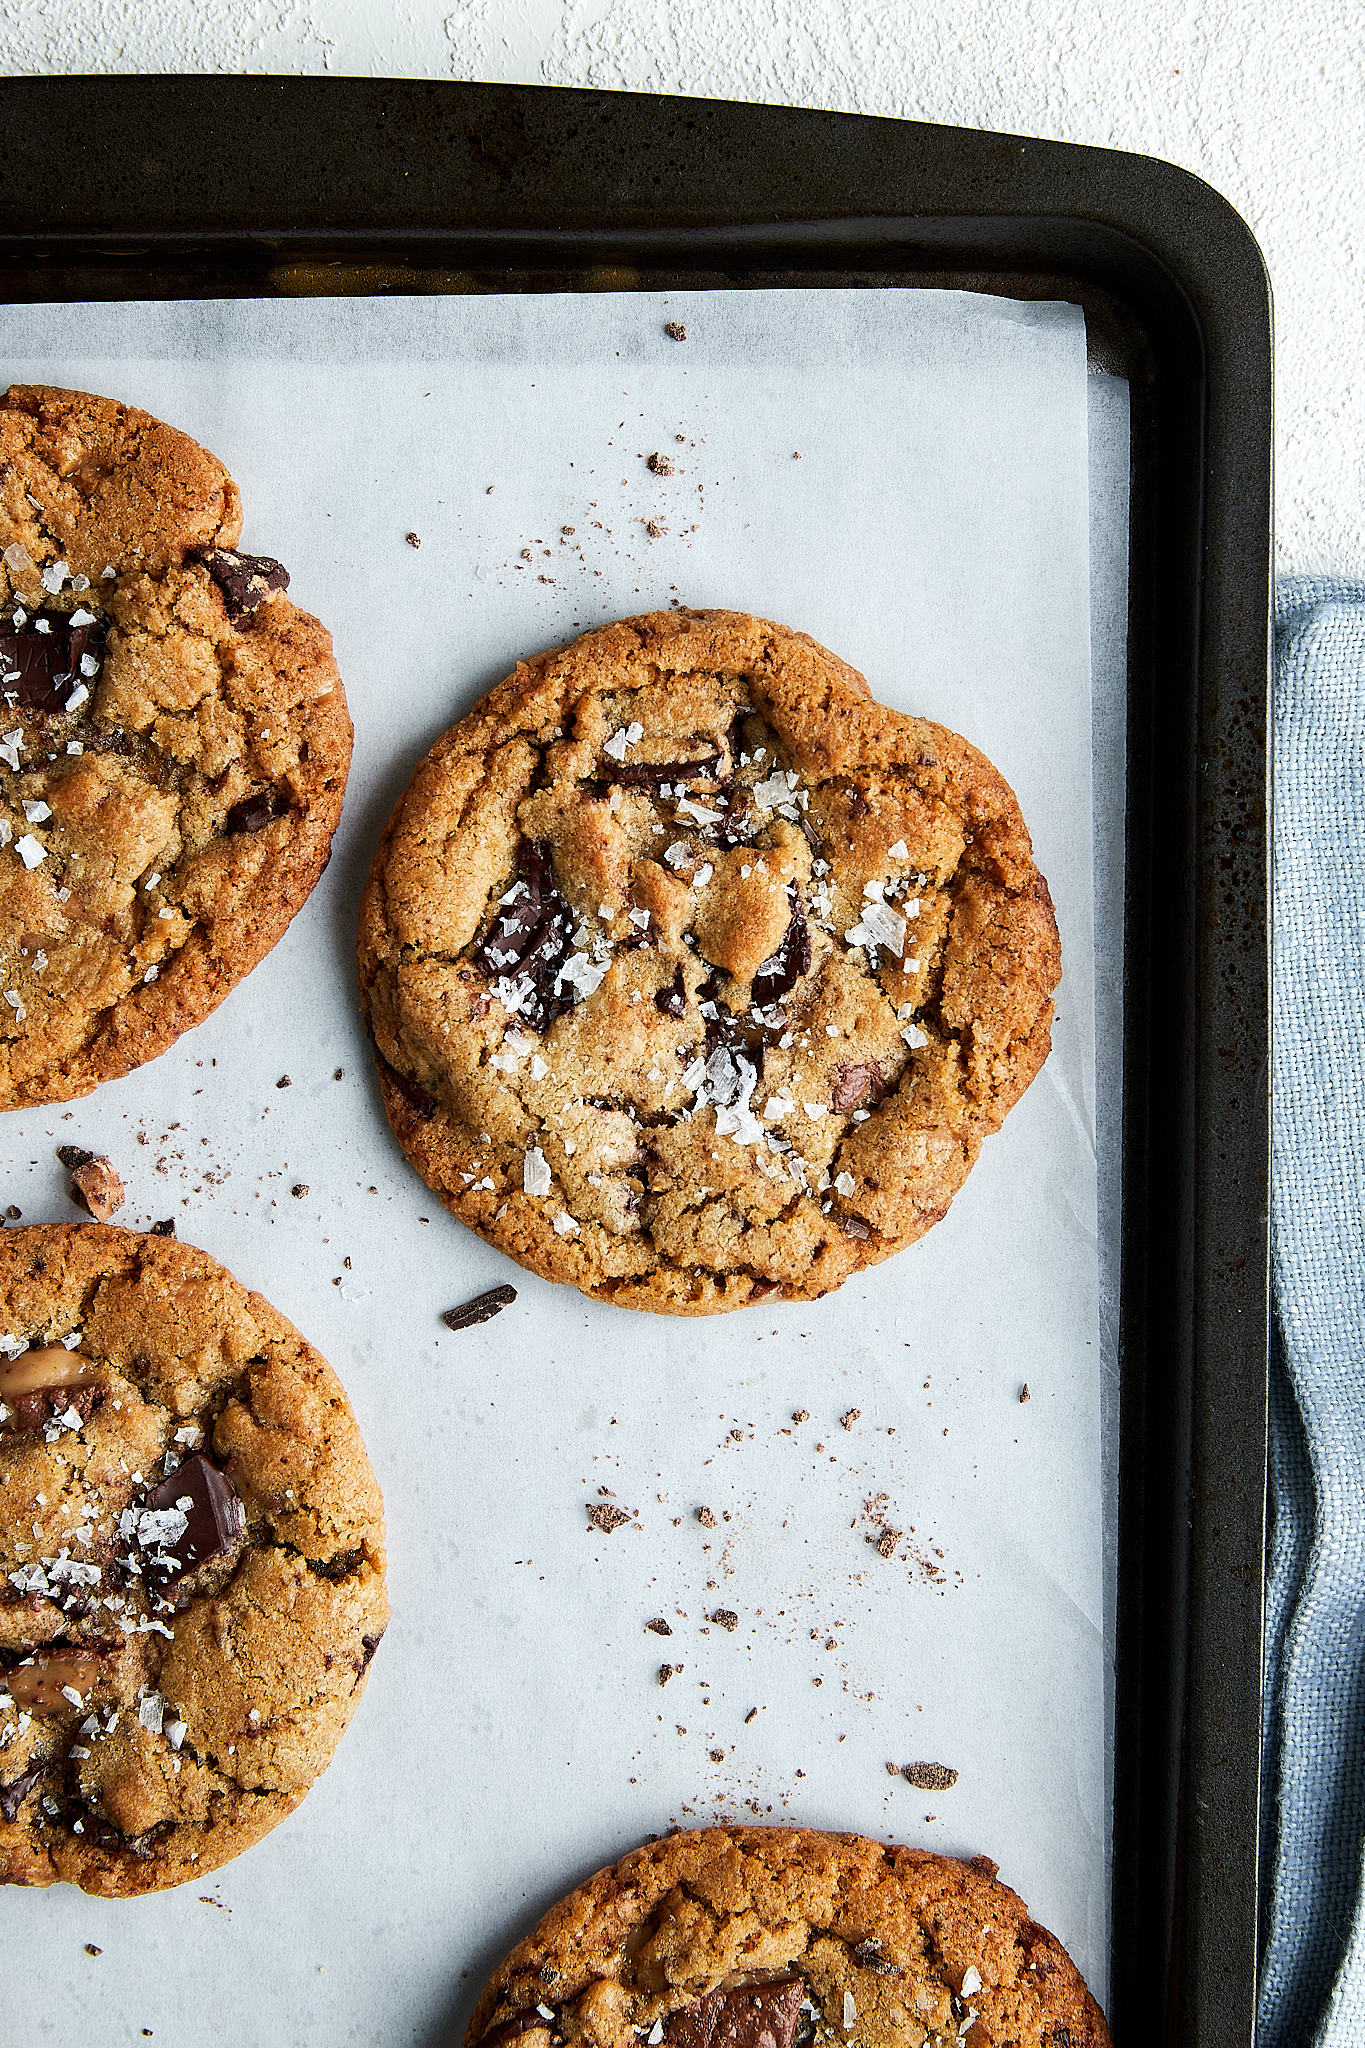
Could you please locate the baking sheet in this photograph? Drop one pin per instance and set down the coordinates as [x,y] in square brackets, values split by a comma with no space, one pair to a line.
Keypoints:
[907,476]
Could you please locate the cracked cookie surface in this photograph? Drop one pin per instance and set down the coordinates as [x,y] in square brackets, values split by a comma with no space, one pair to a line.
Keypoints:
[696,977]
[174,742]
[739,1937]
[191,1561]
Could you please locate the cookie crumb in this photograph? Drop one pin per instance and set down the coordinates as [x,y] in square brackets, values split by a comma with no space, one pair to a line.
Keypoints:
[726,1618]
[414,540]
[847,1420]
[659,1626]
[339,1073]
[165,1228]
[96,1187]
[1024,1394]
[675,330]
[893,1770]
[717,1756]
[91,1950]
[605,1517]
[14,1212]
[660,464]
[927,1777]
[299,1190]
[706,1518]
[665,1673]
[653,529]
[284,1082]
[800,1414]
[886,1542]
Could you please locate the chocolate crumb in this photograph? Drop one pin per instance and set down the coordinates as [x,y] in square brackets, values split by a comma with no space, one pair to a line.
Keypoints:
[800,1414]
[886,1542]
[299,1190]
[717,1756]
[675,330]
[481,1309]
[726,1618]
[1024,1394]
[605,1517]
[659,1626]
[665,1673]
[339,1073]
[165,1228]
[929,1777]
[706,1518]
[414,540]
[71,1157]
[847,1421]
[660,464]
[96,1188]
[284,1082]
[14,1213]
[91,1950]
[653,529]
[750,1715]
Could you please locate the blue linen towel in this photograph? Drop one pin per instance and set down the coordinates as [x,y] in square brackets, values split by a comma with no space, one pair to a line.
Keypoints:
[1312,1984]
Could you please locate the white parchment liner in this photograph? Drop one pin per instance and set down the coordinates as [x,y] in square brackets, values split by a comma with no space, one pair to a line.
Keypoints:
[906,476]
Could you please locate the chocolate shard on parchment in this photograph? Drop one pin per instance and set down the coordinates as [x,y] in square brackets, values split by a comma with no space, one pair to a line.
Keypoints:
[245,580]
[214,1516]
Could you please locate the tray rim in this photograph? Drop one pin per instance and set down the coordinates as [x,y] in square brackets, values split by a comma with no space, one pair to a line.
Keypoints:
[555,183]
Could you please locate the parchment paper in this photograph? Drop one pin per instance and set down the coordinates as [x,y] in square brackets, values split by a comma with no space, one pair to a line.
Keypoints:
[905,476]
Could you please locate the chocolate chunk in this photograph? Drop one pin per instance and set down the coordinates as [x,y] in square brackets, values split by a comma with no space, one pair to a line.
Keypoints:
[764,1290]
[91,1828]
[215,1517]
[245,580]
[96,1187]
[43,670]
[929,1777]
[855,1084]
[649,774]
[481,1309]
[165,1228]
[605,1517]
[73,1156]
[413,1093]
[673,999]
[369,1644]
[857,1226]
[35,1409]
[784,968]
[13,1795]
[254,813]
[524,2022]
[762,2015]
[530,940]
[858,806]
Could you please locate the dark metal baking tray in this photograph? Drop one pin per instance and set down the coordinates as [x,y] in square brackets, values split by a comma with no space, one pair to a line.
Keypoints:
[192,187]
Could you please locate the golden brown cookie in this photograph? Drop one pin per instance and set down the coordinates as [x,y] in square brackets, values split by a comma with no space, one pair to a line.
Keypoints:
[739,1937]
[697,977]
[174,742]
[191,1562]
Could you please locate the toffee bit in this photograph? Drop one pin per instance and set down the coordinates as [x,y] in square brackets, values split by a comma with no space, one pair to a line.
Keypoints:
[605,1517]
[481,1309]
[706,1518]
[927,1777]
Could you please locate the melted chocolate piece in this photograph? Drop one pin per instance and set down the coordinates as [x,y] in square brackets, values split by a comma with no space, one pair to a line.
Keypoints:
[761,2015]
[855,1084]
[673,999]
[784,968]
[48,664]
[369,1644]
[481,1309]
[101,1834]
[531,939]
[649,774]
[254,813]
[419,1099]
[35,1409]
[245,580]
[13,1795]
[215,1515]
[524,2022]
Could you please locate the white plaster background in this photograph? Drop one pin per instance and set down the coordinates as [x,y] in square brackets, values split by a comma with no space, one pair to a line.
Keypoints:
[1263,98]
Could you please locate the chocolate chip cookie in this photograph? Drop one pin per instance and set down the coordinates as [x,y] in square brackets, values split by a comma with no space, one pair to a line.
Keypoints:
[174,742]
[191,1562]
[696,976]
[737,1937]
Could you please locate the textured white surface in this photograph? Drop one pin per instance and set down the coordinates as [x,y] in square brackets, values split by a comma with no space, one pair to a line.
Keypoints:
[1263,100]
